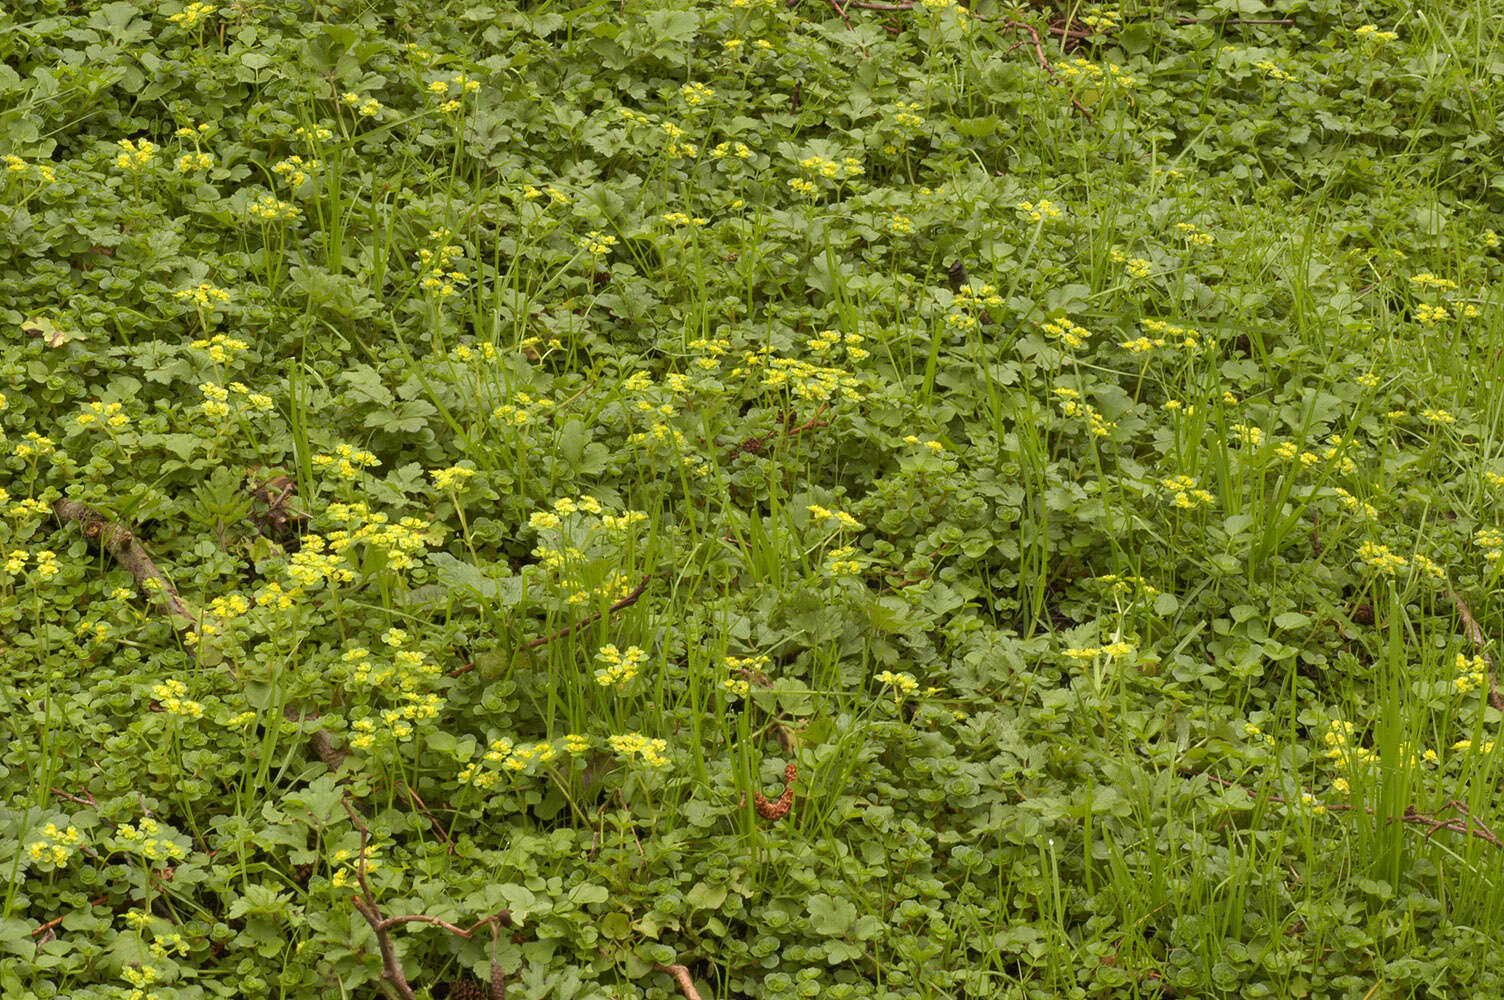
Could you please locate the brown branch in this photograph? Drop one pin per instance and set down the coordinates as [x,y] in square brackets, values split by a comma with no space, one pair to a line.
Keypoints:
[758,442]
[437,826]
[1039,55]
[128,552]
[627,601]
[1236,20]
[381,926]
[1475,634]
[840,10]
[681,976]
[49,925]
[1472,827]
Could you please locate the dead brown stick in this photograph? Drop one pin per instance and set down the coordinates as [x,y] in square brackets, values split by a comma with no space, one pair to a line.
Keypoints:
[121,543]
[842,11]
[758,442]
[49,925]
[627,601]
[366,905]
[1236,20]
[437,826]
[1475,634]
[681,976]
[1039,56]
[1472,827]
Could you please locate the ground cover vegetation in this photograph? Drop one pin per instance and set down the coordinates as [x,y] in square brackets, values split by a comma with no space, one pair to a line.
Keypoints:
[641,499]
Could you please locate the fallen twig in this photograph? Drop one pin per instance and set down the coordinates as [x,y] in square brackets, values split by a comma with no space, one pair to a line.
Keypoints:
[627,601]
[1468,824]
[366,905]
[681,976]
[437,826]
[758,442]
[121,543]
[1475,634]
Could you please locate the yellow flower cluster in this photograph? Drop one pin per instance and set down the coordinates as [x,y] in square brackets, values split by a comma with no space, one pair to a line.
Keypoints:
[106,414]
[905,115]
[346,461]
[1472,673]
[1069,334]
[828,340]
[1429,315]
[618,667]
[1371,31]
[825,514]
[628,746]
[367,107]
[189,162]
[170,694]
[1084,71]
[1271,69]
[294,170]
[1381,559]
[1193,236]
[192,15]
[838,561]
[525,756]
[1137,267]
[203,296]
[1437,417]
[695,94]
[1341,747]
[1141,345]
[440,277]
[1491,541]
[684,148]
[1187,338]
[402,541]
[1113,651]
[738,149]
[846,169]
[680,219]
[1250,435]
[1117,584]
[309,567]
[56,846]
[451,478]
[136,155]
[1429,567]
[221,348]
[269,208]
[901,683]
[1356,507]
[522,411]
[1071,406]
[1184,492]
[1040,212]
[596,243]
[808,382]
